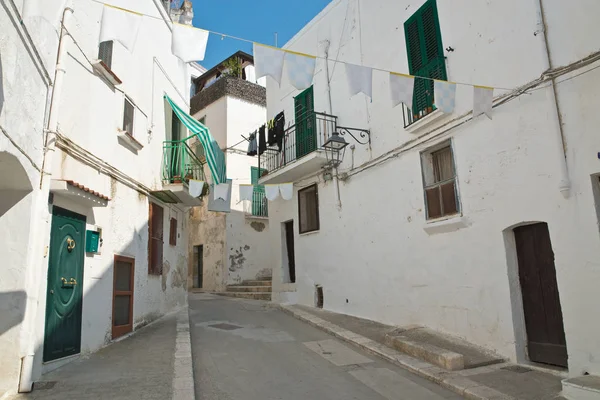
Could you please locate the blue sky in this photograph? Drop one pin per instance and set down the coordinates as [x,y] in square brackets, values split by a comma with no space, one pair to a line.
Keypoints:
[256,20]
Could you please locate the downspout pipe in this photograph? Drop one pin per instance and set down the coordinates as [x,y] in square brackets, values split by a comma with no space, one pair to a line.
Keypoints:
[38,232]
[564,184]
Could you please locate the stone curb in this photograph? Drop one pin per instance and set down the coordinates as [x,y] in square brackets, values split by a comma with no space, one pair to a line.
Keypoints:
[448,379]
[183,374]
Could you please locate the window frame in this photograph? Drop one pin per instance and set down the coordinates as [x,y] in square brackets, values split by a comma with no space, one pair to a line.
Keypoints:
[302,192]
[126,102]
[120,330]
[155,268]
[427,169]
[106,61]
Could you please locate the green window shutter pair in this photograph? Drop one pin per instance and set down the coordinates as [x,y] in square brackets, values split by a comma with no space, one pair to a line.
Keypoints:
[425,55]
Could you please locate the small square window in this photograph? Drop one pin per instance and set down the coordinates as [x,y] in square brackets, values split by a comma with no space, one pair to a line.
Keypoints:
[105,51]
[128,113]
[308,209]
[439,181]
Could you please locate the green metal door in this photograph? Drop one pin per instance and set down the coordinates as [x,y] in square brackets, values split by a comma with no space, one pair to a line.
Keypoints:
[259,204]
[306,127]
[65,278]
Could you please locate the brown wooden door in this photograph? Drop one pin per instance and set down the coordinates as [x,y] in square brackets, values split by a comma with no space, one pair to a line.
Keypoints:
[123,277]
[289,242]
[541,302]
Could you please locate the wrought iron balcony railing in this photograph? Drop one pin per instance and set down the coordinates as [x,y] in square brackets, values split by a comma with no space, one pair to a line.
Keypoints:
[308,134]
[182,162]
[258,207]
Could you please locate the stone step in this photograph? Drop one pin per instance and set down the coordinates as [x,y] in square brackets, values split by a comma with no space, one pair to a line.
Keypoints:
[444,351]
[240,288]
[247,295]
[257,283]
[582,388]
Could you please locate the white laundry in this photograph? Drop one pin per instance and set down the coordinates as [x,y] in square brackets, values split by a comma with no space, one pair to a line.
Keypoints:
[272,192]
[268,61]
[401,89]
[51,11]
[360,79]
[221,191]
[246,192]
[196,187]
[120,25]
[188,43]
[483,99]
[300,69]
[286,190]
[444,96]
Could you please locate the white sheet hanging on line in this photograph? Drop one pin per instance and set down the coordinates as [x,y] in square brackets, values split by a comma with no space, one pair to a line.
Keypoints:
[272,192]
[221,191]
[286,190]
[188,43]
[401,89]
[360,79]
[444,96]
[268,61]
[120,25]
[50,10]
[196,187]
[300,69]
[246,192]
[483,100]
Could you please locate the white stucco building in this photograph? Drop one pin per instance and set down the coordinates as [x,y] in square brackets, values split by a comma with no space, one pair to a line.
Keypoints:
[97,246]
[228,247]
[472,227]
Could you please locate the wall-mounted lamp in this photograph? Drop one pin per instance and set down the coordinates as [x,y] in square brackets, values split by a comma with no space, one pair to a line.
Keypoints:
[335,148]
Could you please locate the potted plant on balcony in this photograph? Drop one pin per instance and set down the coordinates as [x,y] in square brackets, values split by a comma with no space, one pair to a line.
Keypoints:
[189,175]
[177,179]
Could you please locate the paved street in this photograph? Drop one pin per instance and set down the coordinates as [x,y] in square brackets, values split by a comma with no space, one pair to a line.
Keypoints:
[249,350]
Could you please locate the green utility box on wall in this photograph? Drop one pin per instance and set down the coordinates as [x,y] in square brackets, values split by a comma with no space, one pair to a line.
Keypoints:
[92,241]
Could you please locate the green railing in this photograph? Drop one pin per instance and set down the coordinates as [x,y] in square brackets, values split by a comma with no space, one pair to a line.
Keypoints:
[182,162]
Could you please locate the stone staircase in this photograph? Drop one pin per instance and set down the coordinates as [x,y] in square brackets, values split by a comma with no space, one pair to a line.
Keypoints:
[256,290]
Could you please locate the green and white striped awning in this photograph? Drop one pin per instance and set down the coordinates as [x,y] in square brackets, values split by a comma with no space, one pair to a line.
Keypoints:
[215,158]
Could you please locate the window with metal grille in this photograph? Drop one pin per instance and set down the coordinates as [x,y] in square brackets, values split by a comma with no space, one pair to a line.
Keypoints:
[425,56]
[105,53]
[173,232]
[308,209]
[155,240]
[439,181]
[128,113]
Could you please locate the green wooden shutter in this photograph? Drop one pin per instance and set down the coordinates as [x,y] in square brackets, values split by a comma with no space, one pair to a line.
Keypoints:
[425,55]
[306,127]
[259,205]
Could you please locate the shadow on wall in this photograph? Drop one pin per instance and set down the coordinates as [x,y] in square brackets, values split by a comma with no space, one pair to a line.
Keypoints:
[14,185]
[1,85]
[12,309]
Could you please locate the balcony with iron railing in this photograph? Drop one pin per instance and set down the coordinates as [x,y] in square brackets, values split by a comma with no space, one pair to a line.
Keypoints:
[301,150]
[423,92]
[258,206]
[181,163]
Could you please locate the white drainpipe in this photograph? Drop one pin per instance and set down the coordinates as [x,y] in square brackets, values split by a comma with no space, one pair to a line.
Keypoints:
[35,274]
[565,183]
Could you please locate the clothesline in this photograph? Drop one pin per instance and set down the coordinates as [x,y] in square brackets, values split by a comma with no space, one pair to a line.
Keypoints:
[224,35]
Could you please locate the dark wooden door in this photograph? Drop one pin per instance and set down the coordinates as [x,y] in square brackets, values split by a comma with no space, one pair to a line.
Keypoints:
[62,335]
[123,278]
[199,268]
[289,244]
[541,301]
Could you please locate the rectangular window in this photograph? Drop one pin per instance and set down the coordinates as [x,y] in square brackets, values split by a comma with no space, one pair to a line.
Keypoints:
[155,240]
[128,113]
[425,55]
[105,53]
[439,177]
[173,232]
[308,209]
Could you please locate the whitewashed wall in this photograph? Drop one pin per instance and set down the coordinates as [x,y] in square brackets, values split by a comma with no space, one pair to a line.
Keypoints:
[91,113]
[373,256]
[23,95]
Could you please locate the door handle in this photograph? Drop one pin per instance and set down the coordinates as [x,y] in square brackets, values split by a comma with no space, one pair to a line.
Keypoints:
[71,282]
